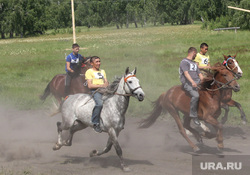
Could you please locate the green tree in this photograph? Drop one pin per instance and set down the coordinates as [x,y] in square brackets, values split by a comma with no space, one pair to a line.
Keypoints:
[242,19]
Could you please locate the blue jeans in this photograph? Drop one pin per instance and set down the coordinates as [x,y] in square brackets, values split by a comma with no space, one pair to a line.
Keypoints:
[98,107]
[194,99]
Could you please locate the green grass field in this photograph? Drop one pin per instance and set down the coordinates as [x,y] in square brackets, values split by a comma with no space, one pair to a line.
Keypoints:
[28,64]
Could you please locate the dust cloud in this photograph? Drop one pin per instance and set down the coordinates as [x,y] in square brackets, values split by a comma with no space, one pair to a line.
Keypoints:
[27,138]
[18,132]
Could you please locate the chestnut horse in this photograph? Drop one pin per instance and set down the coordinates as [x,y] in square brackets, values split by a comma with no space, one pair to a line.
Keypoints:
[232,64]
[78,84]
[176,100]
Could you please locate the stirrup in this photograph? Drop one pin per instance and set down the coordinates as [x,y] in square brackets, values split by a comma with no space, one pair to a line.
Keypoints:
[196,121]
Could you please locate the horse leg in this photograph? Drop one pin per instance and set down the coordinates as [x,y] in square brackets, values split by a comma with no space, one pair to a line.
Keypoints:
[226,108]
[218,126]
[176,116]
[113,140]
[186,125]
[233,103]
[59,144]
[77,126]
[105,150]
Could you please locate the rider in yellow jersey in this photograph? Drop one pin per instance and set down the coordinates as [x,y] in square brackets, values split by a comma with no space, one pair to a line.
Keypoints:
[202,59]
[96,78]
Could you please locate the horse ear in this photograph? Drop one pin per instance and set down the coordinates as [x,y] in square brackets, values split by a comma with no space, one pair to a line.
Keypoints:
[226,57]
[134,72]
[235,55]
[127,71]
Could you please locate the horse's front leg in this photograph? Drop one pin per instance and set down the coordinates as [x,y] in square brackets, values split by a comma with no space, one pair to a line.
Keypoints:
[218,126]
[113,134]
[238,105]
[226,108]
[192,130]
[59,144]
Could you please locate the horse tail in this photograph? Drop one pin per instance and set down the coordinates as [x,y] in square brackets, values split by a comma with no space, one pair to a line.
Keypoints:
[45,93]
[157,110]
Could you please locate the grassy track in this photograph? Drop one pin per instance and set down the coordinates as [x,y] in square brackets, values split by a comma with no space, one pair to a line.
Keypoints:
[27,65]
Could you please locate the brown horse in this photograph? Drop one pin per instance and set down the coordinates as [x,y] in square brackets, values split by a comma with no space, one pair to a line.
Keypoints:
[232,64]
[57,84]
[176,100]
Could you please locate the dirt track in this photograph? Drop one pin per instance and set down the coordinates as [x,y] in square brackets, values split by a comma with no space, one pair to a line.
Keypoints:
[27,138]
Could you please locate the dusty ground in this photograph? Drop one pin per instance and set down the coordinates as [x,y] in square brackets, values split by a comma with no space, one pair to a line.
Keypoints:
[27,138]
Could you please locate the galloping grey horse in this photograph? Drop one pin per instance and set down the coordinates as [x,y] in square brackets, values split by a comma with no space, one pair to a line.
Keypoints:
[77,112]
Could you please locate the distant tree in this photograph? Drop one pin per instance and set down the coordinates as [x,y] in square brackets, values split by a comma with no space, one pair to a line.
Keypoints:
[151,12]
[58,14]
[242,19]
[3,17]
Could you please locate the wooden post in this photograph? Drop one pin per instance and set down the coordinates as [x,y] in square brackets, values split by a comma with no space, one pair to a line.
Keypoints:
[73,21]
[236,8]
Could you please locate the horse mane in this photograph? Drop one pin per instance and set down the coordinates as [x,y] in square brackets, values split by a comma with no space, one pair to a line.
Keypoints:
[207,81]
[110,89]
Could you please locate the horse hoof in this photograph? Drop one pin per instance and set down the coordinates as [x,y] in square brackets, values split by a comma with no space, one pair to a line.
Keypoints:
[196,149]
[220,152]
[220,149]
[67,143]
[57,147]
[93,153]
[220,146]
[244,122]
[126,169]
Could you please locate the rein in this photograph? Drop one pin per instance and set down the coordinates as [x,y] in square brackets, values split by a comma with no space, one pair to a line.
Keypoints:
[223,85]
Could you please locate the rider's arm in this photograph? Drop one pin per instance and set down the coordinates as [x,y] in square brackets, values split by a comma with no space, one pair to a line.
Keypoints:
[68,67]
[201,76]
[106,83]
[204,67]
[186,74]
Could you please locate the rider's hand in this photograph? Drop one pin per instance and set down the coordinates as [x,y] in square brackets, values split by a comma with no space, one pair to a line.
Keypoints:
[194,84]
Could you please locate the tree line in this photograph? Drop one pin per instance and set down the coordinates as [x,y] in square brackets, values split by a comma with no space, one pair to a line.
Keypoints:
[29,17]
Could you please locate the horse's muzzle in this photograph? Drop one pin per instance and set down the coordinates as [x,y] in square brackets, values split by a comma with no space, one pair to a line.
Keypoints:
[239,75]
[236,88]
[140,96]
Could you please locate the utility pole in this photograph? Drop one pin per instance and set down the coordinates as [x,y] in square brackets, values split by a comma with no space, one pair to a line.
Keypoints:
[235,8]
[73,21]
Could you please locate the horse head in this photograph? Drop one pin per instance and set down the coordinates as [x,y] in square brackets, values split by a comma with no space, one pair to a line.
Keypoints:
[232,64]
[132,85]
[86,62]
[224,78]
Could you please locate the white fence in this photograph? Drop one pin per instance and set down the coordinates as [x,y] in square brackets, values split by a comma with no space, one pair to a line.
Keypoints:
[229,28]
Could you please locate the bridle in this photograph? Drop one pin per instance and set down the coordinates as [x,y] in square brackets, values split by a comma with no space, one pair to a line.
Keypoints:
[230,58]
[223,85]
[231,70]
[131,90]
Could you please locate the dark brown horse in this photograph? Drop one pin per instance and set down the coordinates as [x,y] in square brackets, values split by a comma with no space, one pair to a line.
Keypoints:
[232,64]
[78,84]
[176,100]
